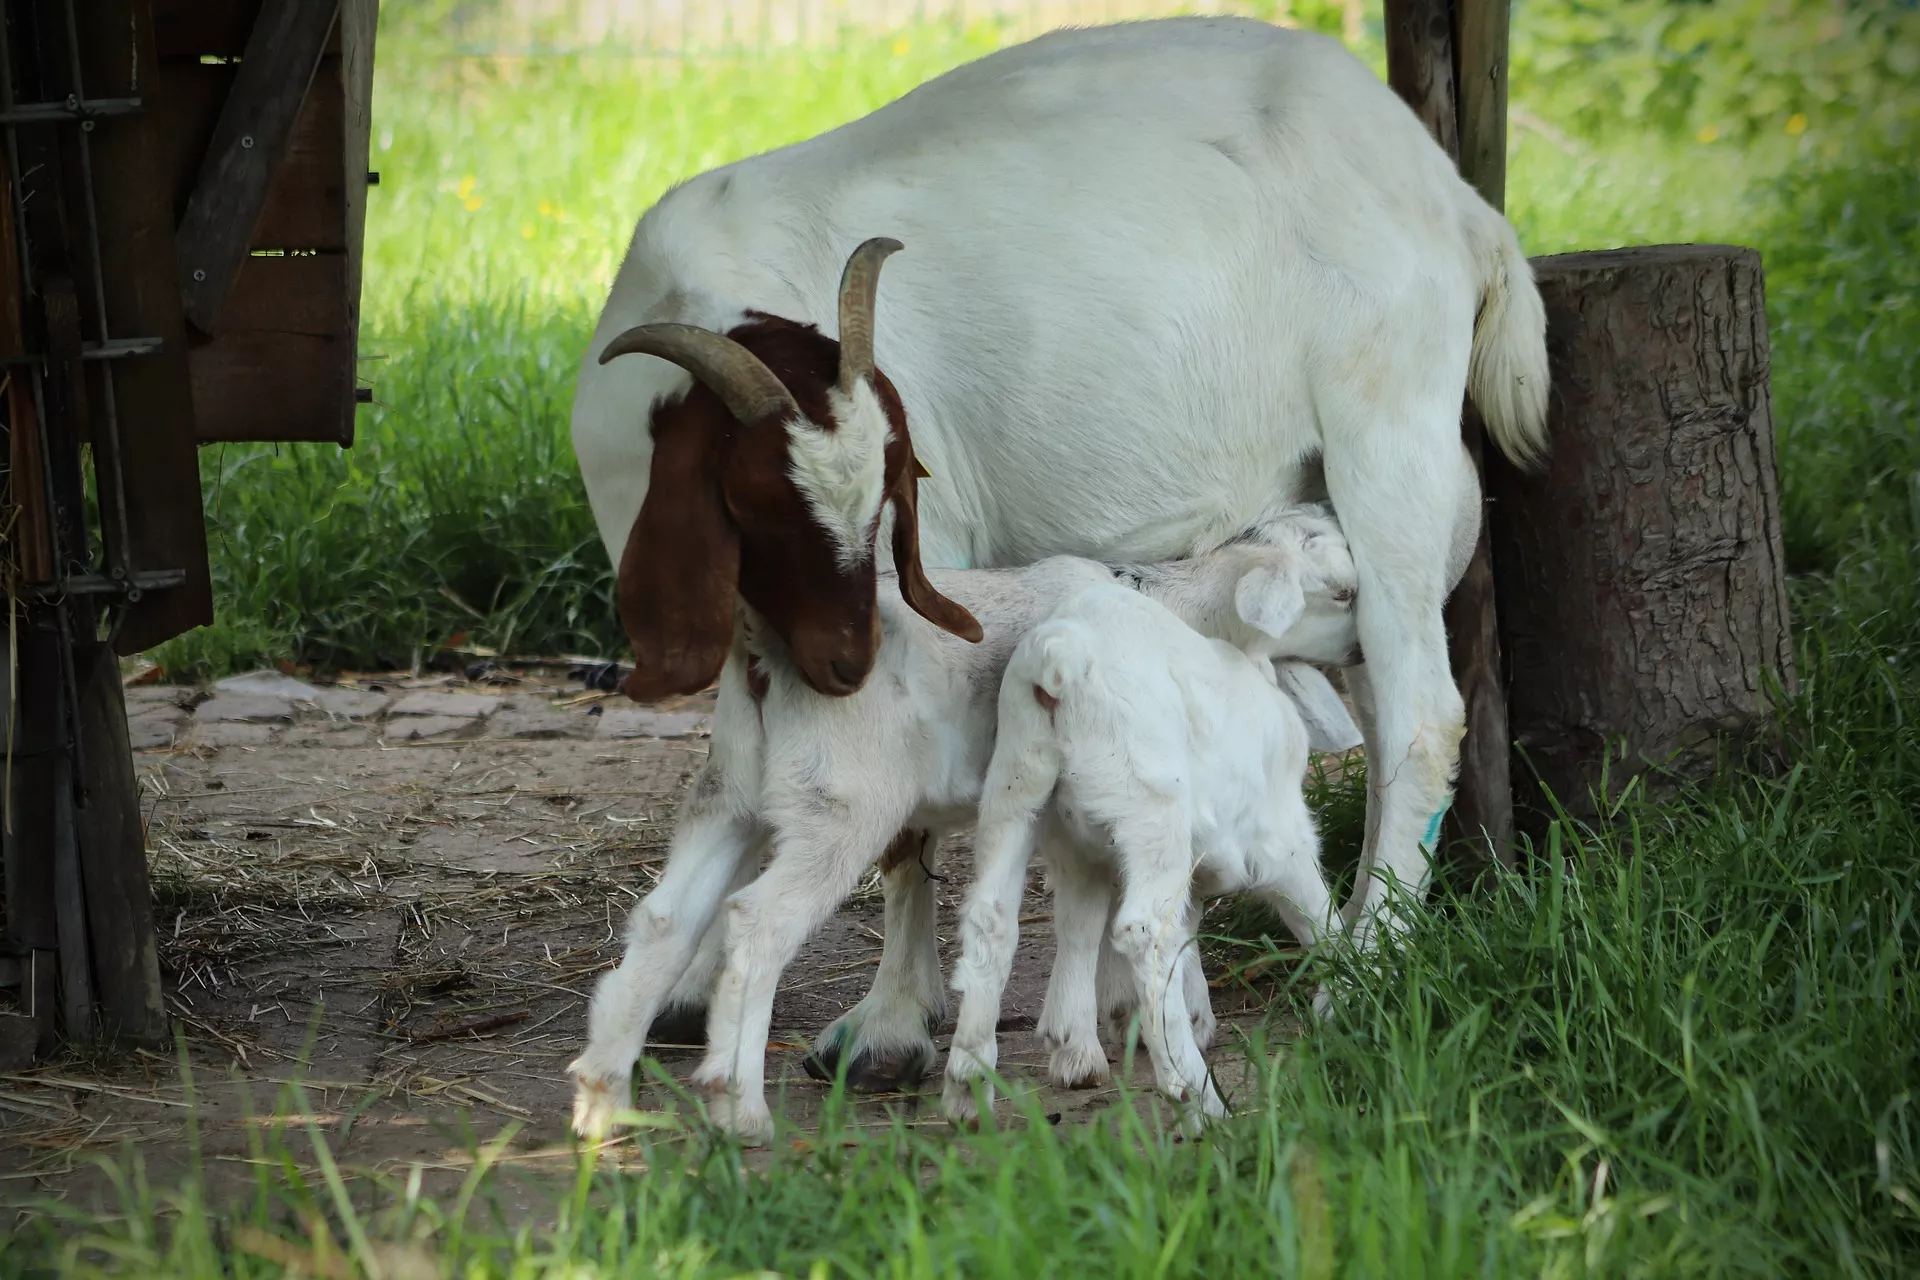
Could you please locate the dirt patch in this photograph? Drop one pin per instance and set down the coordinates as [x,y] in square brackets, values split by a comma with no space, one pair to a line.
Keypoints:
[401,902]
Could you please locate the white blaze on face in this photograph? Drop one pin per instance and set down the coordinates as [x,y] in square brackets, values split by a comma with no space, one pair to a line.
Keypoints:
[842,473]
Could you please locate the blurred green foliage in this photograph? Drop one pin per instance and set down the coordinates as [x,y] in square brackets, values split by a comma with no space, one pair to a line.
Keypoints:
[1733,69]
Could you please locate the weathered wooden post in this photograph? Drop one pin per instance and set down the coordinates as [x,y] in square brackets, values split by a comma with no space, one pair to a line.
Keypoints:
[1642,593]
[1448,60]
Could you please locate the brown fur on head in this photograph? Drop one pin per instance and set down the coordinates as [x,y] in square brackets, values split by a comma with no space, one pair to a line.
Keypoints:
[725,515]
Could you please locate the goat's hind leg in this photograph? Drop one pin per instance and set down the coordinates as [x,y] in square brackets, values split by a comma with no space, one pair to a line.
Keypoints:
[886,1040]
[1019,780]
[1118,999]
[1070,1020]
[1393,470]
[1150,931]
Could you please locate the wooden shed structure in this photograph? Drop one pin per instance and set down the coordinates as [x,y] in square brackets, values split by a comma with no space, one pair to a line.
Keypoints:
[181,214]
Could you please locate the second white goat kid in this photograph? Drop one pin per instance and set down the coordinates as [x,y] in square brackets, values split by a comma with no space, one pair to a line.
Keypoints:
[827,782]
[1173,764]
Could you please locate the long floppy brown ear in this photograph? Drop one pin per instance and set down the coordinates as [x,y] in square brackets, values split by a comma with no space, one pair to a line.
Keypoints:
[914,587]
[681,568]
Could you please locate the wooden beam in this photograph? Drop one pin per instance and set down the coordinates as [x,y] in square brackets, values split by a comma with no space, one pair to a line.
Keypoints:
[152,395]
[1420,65]
[1447,60]
[113,859]
[282,54]
[359,21]
[1482,77]
[1483,801]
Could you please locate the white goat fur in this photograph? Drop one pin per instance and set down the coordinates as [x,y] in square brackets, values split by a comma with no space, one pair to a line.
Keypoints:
[827,782]
[1160,278]
[1174,764]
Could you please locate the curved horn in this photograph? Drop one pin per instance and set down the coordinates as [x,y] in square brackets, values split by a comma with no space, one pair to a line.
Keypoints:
[745,385]
[858,285]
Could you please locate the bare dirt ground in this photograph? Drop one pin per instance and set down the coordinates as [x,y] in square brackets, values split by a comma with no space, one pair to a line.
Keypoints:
[399,893]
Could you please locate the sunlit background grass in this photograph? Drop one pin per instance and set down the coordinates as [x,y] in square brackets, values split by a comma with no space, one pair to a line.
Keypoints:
[1682,1041]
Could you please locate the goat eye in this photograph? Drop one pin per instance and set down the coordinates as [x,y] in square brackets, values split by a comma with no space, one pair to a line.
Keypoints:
[1345,595]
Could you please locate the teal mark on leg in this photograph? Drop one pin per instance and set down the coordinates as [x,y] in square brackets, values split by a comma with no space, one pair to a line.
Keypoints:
[1433,824]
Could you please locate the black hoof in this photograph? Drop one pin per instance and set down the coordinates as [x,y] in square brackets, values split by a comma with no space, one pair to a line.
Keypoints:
[896,1071]
[682,1026]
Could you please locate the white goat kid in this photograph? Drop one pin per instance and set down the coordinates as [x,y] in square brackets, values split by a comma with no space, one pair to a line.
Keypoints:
[828,781]
[1160,277]
[1174,764]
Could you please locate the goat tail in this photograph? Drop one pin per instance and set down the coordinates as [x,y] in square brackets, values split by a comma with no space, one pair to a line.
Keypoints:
[1061,660]
[1507,377]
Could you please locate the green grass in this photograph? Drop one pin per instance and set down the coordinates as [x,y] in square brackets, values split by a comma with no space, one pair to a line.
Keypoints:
[1683,1041]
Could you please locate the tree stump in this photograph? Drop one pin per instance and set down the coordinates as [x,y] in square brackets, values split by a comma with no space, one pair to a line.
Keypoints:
[1643,605]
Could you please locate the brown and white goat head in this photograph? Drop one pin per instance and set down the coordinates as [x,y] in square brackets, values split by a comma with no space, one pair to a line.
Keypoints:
[768,481]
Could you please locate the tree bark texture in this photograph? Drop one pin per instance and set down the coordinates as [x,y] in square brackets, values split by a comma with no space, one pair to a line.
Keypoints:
[1643,604]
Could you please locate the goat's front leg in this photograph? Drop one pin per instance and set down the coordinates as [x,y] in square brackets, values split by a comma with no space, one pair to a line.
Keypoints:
[711,848]
[814,868]
[886,1040]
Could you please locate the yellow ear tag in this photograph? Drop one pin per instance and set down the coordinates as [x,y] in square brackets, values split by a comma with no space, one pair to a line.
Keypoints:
[920,469]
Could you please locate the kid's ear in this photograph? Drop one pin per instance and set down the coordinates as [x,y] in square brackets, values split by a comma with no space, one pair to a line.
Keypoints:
[1270,599]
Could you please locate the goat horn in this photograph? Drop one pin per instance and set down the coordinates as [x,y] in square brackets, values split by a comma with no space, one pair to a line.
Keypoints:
[744,384]
[859,284]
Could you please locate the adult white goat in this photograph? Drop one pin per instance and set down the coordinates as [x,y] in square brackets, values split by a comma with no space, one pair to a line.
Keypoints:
[1162,277]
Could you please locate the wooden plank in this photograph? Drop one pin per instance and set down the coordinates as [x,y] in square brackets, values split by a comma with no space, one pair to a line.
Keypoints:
[158,444]
[278,371]
[281,57]
[28,544]
[1482,62]
[28,840]
[1422,43]
[359,23]
[303,294]
[306,204]
[262,385]
[113,860]
[1483,804]
[1419,35]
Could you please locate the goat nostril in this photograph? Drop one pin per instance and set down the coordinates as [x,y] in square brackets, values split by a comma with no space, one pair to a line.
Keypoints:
[847,673]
